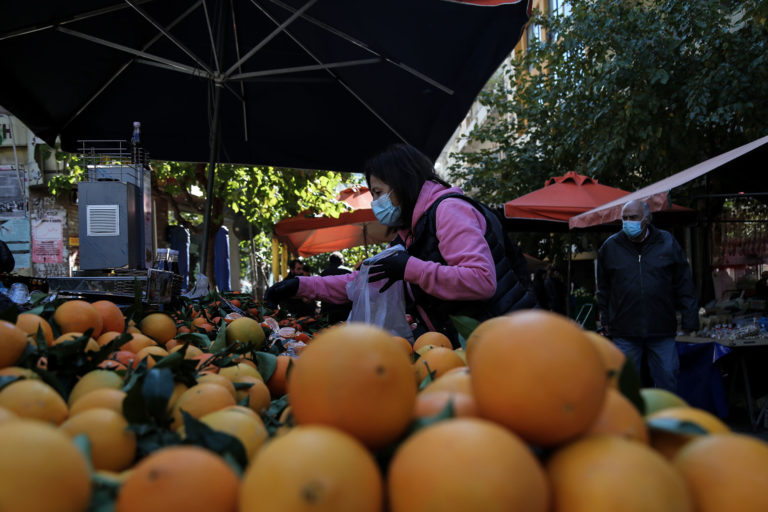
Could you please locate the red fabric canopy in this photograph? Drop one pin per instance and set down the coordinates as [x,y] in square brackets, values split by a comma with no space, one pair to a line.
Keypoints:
[561,198]
[307,235]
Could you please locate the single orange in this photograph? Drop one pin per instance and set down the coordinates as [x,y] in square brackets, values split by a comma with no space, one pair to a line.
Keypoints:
[726,472]
[619,417]
[220,380]
[29,323]
[41,469]
[138,341]
[429,470]
[13,342]
[613,358]
[95,379]
[669,443]
[404,344]
[456,380]
[247,331]
[106,337]
[78,316]
[434,402]
[112,318]
[187,478]
[437,339]
[34,399]
[191,351]
[113,444]
[151,354]
[354,378]
[536,373]
[277,382]
[314,468]
[258,393]
[436,362]
[610,474]
[241,423]
[200,400]
[108,398]
[158,326]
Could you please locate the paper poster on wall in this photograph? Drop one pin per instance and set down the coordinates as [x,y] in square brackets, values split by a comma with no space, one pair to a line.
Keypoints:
[12,186]
[15,233]
[48,237]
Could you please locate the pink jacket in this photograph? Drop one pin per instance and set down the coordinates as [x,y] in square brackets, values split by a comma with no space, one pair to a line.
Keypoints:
[469,273]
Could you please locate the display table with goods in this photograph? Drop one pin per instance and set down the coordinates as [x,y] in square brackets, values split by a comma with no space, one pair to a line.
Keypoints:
[725,333]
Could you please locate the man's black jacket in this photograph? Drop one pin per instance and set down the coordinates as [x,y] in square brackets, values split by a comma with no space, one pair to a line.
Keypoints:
[641,286]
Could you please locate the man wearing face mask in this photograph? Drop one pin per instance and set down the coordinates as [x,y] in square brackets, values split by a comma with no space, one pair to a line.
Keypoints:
[643,278]
[456,260]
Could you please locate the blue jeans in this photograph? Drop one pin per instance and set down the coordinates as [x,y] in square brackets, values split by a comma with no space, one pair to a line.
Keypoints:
[663,361]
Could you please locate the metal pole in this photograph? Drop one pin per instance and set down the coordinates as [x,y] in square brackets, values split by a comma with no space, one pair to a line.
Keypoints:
[211,175]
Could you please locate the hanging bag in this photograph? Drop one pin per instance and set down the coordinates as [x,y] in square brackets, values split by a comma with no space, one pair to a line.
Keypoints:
[383,309]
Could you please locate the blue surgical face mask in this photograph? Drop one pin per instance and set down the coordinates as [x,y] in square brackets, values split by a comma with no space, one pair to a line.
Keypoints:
[387,213]
[632,228]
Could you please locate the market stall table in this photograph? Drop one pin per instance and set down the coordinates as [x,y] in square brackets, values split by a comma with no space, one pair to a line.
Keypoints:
[718,347]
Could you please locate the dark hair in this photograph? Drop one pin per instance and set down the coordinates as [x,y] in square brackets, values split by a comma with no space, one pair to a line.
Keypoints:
[335,259]
[405,169]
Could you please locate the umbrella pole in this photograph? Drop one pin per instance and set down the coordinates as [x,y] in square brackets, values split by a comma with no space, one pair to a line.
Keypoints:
[568,284]
[211,175]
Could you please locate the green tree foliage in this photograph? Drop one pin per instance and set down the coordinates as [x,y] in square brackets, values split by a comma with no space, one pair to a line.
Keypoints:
[625,91]
[263,195]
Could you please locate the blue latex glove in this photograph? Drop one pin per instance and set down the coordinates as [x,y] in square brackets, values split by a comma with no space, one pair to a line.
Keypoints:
[392,267]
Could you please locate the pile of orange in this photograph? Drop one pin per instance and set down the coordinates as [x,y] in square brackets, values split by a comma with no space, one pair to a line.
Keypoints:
[528,417]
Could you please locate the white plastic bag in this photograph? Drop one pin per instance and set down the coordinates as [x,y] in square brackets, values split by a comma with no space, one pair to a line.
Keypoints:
[385,310]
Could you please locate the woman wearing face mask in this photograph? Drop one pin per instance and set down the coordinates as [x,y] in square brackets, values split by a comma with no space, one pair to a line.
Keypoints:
[455,262]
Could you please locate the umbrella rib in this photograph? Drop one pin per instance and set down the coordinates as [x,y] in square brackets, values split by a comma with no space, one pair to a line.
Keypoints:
[243,101]
[299,69]
[336,77]
[280,28]
[208,25]
[367,48]
[177,66]
[125,66]
[72,19]
[169,36]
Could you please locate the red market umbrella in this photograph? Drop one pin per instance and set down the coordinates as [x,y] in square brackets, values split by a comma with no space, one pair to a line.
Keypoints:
[307,234]
[561,198]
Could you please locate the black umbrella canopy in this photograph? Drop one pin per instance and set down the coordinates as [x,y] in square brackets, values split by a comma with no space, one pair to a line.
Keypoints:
[318,84]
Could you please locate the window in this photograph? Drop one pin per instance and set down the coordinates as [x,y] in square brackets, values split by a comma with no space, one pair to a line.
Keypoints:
[559,7]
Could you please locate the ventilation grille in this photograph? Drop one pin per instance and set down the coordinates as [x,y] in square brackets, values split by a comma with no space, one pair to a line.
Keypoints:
[103,220]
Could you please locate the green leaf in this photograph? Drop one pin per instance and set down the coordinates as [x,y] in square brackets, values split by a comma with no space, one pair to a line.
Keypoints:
[8,379]
[10,314]
[195,338]
[156,390]
[221,339]
[266,364]
[104,493]
[428,378]
[446,413]
[629,385]
[242,386]
[464,325]
[172,361]
[198,433]
[676,426]
[83,445]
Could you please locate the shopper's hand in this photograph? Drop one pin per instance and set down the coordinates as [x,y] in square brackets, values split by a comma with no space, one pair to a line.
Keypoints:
[278,292]
[392,267]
